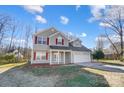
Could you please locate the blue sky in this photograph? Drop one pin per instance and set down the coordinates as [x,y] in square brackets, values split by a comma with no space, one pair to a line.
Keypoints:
[72,19]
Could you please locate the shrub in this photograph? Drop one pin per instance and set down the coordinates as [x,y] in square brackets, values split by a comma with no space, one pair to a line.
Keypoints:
[9,58]
[122,59]
[98,54]
[1,57]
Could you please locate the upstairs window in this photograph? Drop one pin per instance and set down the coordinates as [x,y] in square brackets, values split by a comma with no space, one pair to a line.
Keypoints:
[42,40]
[59,40]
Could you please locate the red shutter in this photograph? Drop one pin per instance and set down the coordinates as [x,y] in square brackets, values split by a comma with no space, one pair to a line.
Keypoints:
[56,41]
[62,41]
[46,55]
[34,55]
[48,41]
[35,39]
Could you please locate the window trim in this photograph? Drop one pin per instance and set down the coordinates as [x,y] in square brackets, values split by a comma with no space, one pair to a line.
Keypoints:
[59,40]
[41,56]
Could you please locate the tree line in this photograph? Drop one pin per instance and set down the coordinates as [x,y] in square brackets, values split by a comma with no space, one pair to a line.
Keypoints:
[15,35]
[113,22]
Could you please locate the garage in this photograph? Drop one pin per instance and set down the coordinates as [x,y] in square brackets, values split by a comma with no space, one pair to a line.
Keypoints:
[81,57]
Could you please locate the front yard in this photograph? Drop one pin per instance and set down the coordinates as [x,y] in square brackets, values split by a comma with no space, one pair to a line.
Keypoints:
[112,62]
[58,76]
[114,79]
[71,76]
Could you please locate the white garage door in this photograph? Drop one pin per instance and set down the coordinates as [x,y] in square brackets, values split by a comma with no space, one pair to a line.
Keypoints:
[81,57]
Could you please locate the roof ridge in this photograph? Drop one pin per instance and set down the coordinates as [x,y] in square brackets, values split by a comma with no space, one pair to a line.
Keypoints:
[38,32]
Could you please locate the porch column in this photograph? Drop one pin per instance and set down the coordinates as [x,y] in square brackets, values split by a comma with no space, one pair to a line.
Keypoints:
[32,56]
[50,57]
[71,57]
[64,57]
[58,57]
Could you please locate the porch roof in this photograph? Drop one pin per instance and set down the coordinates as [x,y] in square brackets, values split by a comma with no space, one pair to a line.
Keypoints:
[60,47]
[80,49]
[70,48]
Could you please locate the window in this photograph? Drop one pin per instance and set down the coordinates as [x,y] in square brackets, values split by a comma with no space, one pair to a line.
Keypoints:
[42,40]
[38,56]
[41,56]
[59,40]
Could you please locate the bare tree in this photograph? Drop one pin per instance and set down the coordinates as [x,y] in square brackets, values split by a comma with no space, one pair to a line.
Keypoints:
[114,46]
[27,37]
[4,24]
[114,20]
[14,27]
[100,41]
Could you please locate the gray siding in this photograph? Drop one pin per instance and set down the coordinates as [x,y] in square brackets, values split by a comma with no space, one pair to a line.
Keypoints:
[76,43]
[40,47]
[47,32]
[52,39]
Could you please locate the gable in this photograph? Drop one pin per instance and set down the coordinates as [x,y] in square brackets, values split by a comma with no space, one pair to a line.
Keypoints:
[58,35]
[76,43]
[46,32]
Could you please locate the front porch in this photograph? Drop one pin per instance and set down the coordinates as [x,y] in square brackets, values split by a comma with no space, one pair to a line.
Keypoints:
[60,57]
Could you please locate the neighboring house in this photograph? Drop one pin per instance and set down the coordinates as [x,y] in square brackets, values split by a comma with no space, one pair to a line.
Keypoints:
[53,47]
[17,54]
[117,45]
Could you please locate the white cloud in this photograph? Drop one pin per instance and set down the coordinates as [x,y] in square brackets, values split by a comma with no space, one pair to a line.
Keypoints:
[64,20]
[33,8]
[40,19]
[104,24]
[76,35]
[70,33]
[77,7]
[114,38]
[102,38]
[83,35]
[96,11]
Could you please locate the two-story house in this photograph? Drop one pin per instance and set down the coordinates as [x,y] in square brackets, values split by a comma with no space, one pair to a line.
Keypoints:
[53,47]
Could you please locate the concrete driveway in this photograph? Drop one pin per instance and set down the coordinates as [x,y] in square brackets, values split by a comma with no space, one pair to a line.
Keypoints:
[101,66]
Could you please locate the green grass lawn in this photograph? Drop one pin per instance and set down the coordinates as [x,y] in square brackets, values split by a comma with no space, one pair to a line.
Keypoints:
[71,76]
[6,62]
[112,62]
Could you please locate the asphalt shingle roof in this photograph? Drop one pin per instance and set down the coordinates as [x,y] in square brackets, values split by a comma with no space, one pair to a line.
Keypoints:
[70,48]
